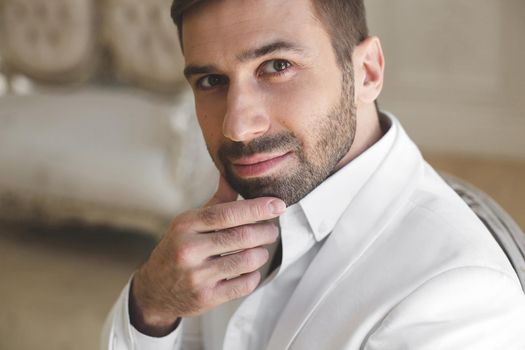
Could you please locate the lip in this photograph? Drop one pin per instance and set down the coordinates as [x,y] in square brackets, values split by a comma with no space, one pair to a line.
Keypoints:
[258,164]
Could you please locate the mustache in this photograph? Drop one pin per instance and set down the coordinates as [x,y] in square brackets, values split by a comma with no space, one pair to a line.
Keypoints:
[279,142]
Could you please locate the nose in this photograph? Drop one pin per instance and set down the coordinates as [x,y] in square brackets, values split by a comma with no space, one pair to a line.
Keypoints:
[246,117]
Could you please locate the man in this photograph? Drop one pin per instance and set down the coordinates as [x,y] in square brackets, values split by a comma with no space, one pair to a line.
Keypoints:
[345,238]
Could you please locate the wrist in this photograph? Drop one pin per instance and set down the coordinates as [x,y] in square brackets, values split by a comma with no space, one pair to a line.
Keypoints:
[145,320]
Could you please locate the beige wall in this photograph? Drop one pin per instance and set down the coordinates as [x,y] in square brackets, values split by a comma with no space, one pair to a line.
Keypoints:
[455,72]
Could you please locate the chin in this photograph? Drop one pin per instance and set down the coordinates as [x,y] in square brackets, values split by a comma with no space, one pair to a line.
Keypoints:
[289,189]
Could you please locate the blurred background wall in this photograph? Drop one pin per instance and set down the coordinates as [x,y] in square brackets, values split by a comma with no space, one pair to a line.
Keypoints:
[456,79]
[455,73]
[94,156]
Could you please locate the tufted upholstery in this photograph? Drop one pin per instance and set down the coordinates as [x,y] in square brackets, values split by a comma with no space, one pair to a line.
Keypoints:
[143,42]
[99,153]
[59,40]
[52,40]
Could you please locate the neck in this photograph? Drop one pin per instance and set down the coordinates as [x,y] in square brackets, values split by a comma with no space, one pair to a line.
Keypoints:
[368,131]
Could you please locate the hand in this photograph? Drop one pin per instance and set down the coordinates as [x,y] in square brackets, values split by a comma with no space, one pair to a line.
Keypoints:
[208,257]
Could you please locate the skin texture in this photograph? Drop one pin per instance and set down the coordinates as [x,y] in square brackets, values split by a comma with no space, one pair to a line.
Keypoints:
[255,102]
[313,159]
[186,274]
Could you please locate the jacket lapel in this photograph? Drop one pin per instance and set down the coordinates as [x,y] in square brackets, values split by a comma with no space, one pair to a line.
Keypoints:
[386,192]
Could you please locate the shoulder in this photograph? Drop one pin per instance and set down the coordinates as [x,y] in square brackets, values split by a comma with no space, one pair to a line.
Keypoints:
[457,289]
[443,231]
[467,307]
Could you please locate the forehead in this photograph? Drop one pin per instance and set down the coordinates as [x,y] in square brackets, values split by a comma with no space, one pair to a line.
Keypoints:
[221,28]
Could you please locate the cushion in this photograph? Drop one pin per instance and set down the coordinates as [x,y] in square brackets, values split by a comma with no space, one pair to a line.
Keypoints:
[102,156]
[50,40]
[143,42]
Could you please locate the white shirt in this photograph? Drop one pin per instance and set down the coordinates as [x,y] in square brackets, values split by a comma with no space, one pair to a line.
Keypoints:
[247,324]
[382,255]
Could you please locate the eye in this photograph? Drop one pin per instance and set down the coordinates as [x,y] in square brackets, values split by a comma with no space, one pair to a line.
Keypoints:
[211,81]
[275,66]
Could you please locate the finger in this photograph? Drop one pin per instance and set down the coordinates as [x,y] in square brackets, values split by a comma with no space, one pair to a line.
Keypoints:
[225,193]
[238,287]
[232,214]
[240,237]
[234,265]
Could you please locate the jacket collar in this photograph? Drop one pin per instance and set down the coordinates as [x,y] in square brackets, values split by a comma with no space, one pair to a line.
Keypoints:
[377,201]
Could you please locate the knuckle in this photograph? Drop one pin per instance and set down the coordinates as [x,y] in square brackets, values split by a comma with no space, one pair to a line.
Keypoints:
[252,235]
[209,216]
[212,216]
[204,298]
[184,254]
[241,289]
[236,292]
[231,263]
[222,238]
[252,282]
[179,257]
[256,257]
[258,210]
[241,234]
[228,215]
[180,224]
[193,281]
[250,259]
[235,236]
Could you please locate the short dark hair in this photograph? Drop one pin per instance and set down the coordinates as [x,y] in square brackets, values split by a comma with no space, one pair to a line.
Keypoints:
[345,21]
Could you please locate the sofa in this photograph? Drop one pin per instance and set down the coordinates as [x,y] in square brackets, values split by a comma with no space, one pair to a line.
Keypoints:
[97,125]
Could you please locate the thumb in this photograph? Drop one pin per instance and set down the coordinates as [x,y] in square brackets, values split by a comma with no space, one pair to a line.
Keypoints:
[225,193]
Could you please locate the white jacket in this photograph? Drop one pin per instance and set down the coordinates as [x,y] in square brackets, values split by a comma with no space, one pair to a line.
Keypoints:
[407,267]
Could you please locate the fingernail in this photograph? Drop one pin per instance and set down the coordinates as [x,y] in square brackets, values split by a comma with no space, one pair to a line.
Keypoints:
[277,206]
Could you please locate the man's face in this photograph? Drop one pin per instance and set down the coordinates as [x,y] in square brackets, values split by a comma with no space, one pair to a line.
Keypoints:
[275,109]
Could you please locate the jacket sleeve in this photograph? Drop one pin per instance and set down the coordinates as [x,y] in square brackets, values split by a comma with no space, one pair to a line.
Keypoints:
[119,334]
[464,308]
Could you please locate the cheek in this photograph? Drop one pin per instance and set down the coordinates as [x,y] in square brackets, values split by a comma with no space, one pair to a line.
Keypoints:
[300,105]
[211,131]
[210,113]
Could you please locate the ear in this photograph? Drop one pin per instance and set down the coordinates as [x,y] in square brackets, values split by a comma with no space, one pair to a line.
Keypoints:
[369,66]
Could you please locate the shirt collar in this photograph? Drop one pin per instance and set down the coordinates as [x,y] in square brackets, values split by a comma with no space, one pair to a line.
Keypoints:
[325,204]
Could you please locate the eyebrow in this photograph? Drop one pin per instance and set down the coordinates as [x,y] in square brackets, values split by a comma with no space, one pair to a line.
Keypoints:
[247,55]
[267,49]
[194,70]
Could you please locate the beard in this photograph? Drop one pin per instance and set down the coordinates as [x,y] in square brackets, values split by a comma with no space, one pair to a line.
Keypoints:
[331,139]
